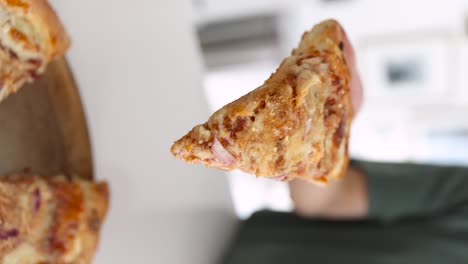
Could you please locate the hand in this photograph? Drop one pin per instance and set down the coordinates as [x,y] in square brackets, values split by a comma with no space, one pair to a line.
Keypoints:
[356,83]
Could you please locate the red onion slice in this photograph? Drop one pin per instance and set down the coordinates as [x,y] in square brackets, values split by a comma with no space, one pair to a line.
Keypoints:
[281,177]
[7,234]
[308,126]
[314,60]
[221,154]
[36,200]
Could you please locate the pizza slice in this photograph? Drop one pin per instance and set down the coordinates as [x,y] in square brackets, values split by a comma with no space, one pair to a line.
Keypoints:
[296,125]
[50,220]
[31,35]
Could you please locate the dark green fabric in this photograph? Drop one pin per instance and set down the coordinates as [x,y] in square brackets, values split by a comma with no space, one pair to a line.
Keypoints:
[414,190]
[418,214]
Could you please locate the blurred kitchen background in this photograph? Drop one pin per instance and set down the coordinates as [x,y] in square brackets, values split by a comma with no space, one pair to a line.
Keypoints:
[149,70]
[412,55]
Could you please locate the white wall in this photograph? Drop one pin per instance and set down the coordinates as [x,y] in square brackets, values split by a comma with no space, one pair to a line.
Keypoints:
[363,18]
[138,69]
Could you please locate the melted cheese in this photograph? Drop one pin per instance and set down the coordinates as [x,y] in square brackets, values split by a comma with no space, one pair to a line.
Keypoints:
[24,254]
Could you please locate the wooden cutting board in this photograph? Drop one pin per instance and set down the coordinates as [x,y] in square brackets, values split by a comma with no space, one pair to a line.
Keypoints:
[43,128]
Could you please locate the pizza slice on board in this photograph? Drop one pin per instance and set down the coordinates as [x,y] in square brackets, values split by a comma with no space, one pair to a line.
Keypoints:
[296,125]
[50,219]
[31,36]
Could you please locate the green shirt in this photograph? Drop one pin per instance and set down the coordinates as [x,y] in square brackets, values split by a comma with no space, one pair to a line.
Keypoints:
[417,214]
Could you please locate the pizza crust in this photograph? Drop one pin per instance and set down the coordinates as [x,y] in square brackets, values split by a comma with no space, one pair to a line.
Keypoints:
[31,35]
[296,125]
